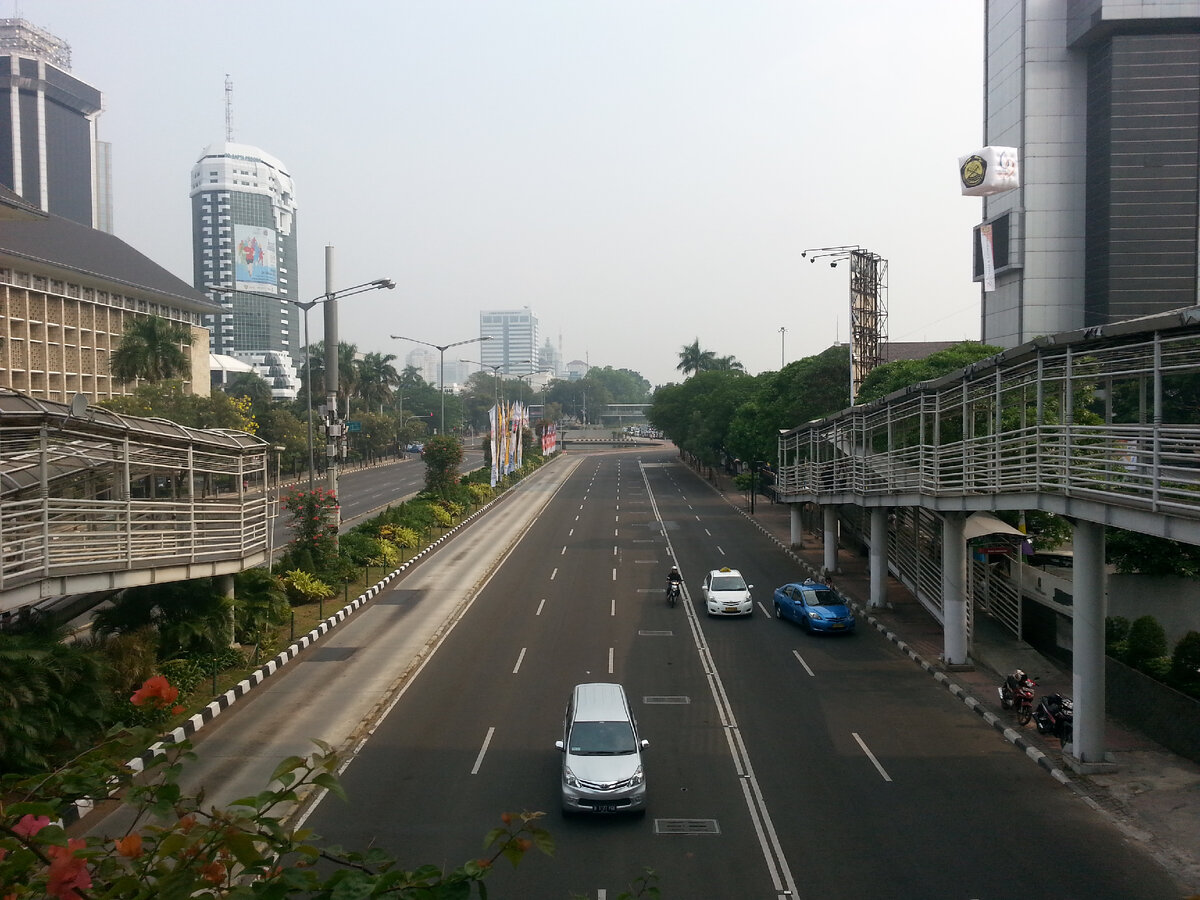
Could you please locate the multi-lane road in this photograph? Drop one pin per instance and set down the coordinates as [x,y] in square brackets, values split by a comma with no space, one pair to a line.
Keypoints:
[780,764]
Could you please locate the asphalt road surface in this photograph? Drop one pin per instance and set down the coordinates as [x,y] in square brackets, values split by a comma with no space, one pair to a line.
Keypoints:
[781,764]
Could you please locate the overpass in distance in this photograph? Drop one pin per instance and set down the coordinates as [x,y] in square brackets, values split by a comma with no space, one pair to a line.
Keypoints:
[1096,425]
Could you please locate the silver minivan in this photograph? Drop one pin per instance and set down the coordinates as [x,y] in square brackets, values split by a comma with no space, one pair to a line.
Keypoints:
[602,755]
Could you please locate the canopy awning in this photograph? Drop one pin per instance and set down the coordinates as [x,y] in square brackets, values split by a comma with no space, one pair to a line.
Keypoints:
[983,524]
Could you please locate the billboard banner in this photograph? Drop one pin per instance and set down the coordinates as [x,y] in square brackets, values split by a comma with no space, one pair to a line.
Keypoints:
[992,170]
[989,262]
[255,264]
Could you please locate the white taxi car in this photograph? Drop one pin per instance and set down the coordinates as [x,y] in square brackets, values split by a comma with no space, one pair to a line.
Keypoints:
[726,593]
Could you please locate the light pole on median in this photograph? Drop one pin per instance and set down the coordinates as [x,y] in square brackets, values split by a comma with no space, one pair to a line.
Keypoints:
[306,305]
[495,377]
[441,349]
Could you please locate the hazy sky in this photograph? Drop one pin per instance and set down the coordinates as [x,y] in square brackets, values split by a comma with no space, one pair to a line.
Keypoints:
[639,173]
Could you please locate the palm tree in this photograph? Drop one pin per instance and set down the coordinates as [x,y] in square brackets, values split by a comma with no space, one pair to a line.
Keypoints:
[726,364]
[692,359]
[152,350]
[376,378]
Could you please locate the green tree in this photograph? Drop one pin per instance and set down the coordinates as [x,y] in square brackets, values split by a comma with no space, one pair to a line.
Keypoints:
[443,456]
[1132,551]
[692,359]
[168,400]
[191,618]
[894,376]
[151,349]
[54,697]
[1147,641]
[251,386]
[376,379]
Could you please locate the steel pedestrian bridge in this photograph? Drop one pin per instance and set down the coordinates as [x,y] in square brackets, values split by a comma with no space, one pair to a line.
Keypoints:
[91,500]
[1100,425]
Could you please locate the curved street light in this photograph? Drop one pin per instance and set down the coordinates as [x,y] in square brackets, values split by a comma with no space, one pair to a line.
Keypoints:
[306,305]
[441,349]
[495,376]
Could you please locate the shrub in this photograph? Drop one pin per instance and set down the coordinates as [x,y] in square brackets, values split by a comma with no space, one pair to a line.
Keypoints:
[441,517]
[1185,663]
[480,493]
[1116,633]
[404,537]
[1147,641]
[359,547]
[304,587]
[388,556]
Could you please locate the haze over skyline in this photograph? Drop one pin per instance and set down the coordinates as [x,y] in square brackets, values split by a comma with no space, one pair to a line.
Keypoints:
[639,174]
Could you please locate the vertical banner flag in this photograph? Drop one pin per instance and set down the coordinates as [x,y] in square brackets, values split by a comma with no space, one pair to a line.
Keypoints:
[989,265]
[493,421]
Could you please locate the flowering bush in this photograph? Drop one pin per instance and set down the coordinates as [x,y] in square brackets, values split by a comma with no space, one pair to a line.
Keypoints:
[313,522]
[244,850]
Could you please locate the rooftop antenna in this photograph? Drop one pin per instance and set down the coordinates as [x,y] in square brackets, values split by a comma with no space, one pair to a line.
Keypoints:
[228,108]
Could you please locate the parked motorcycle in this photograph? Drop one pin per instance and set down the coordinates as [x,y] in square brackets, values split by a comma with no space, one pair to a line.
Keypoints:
[1017,692]
[1055,714]
[672,592]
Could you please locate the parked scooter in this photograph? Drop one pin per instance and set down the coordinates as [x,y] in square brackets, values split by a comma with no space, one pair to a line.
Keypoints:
[1055,714]
[1017,692]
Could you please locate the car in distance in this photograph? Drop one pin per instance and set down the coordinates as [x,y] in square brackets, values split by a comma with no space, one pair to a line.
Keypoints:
[813,605]
[602,768]
[726,593]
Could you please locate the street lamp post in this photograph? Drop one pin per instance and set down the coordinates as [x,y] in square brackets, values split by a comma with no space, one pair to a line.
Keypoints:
[495,377]
[441,349]
[306,305]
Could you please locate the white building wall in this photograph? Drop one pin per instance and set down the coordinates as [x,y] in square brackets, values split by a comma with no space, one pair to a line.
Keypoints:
[1037,102]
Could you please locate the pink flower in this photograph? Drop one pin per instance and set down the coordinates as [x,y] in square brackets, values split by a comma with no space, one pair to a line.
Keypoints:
[29,825]
[68,874]
[156,690]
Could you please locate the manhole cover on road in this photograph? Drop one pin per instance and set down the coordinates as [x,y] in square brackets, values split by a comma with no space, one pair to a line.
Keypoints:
[686,826]
[330,654]
[666,699]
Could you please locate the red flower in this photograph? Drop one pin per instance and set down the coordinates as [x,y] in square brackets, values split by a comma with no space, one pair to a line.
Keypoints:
[68,874]
[156,690]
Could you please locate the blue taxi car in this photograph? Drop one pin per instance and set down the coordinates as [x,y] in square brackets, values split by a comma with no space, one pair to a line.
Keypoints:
[814,606]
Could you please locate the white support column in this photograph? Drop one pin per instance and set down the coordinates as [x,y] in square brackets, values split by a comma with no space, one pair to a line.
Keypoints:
[1087,637]
[878,557]
[954,580]
[831,538]
[797,524]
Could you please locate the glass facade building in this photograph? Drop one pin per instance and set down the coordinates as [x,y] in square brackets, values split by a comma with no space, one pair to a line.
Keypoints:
[513,340]
[244,257]
[49,153]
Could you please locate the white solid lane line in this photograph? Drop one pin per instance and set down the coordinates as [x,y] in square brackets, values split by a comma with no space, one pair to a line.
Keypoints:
[871,756]
[483,750]
[796,653]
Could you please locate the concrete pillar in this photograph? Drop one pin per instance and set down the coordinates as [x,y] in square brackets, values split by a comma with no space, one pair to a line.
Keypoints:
[954,595]
[878,557]
[797,524]
[831,538]
[1087,637]
[225,586]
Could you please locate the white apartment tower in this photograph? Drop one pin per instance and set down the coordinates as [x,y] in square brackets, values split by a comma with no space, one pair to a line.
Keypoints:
[513,340]
[244,257]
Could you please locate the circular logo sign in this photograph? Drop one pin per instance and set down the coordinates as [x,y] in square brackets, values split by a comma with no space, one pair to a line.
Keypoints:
[973,171]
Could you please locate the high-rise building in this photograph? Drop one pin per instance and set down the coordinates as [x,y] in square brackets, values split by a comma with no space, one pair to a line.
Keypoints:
[1102,100]
[513,340]
[244,257]
[49,152]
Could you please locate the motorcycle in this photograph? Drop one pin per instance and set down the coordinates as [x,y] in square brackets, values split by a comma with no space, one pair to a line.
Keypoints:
[672,592]
[1055,715]
[1017,691]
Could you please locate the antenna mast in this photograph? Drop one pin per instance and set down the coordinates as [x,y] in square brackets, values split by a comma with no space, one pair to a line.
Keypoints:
[228,108]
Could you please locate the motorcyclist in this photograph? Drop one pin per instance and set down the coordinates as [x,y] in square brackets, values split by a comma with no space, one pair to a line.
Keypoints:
[674,578]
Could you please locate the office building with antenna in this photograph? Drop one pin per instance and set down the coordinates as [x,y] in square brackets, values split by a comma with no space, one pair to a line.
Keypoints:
[244,256]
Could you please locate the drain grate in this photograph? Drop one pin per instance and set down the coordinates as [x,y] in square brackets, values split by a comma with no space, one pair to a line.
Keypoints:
[667,700]
[656,634]
[686,826]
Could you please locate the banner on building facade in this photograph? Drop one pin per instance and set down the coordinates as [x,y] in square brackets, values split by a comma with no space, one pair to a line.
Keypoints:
[992,170]
[255,264]
[987,249]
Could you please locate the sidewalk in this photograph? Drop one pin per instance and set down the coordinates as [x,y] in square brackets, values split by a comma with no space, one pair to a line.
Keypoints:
[1153,796]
